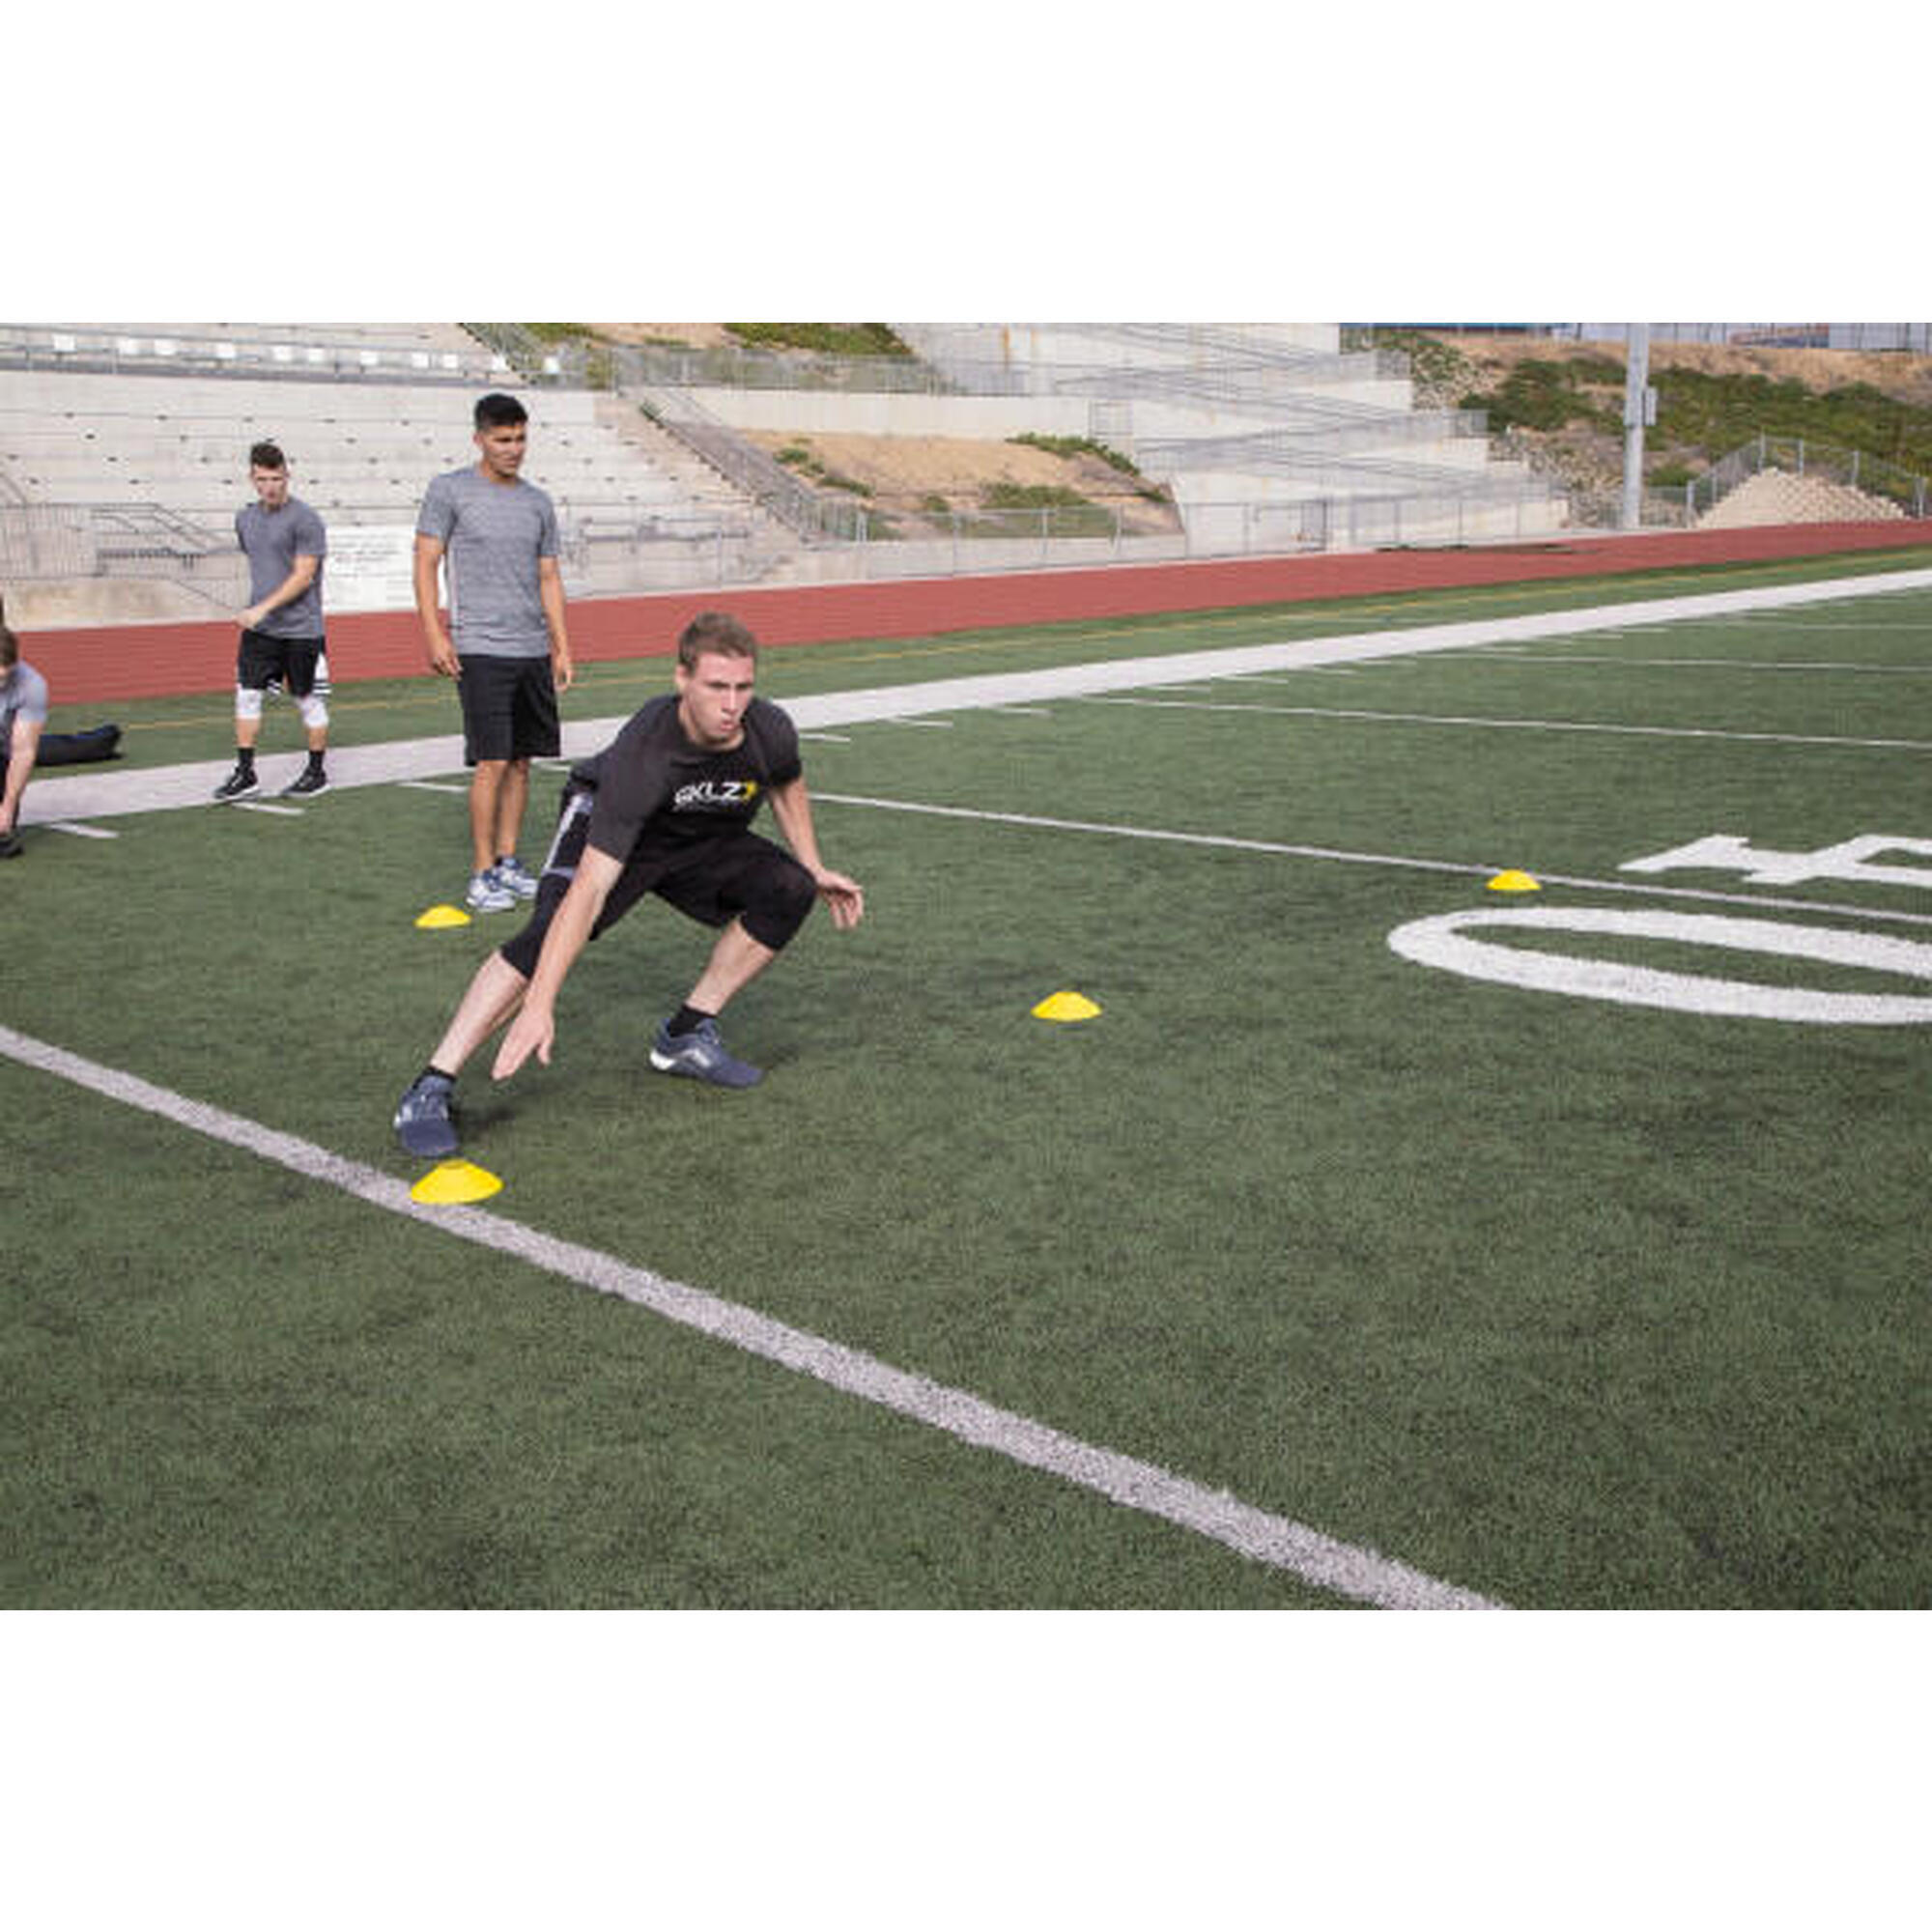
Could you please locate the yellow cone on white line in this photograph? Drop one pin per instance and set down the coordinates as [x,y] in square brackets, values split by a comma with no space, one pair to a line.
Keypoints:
[1065,1007]
[450,1184]
[1514,882]
[442,914]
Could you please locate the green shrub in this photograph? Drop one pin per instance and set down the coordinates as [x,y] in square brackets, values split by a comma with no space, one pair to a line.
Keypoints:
[1030,497]
[1550,396]
[1077,446]
[822,338]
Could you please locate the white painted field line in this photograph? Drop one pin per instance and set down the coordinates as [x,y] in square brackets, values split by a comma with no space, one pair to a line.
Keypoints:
[82,831]
[1019,711]
[822,738]
[273,811]
[1666,663]
[1521,723]
[433,784]
[1485,872]
[1348,1570]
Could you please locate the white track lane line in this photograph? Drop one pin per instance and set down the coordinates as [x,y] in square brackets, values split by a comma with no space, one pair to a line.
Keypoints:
[1348,1570]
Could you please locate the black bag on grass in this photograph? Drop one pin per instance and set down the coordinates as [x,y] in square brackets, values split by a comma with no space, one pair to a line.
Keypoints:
[79,748]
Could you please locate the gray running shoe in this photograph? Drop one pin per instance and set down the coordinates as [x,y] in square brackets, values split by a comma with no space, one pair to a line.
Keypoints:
[236,785]
[512,877]
[487,896]
[701,1055]
[422,1121]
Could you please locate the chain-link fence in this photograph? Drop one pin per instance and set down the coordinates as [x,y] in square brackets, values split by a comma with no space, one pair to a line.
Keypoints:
[1804,456]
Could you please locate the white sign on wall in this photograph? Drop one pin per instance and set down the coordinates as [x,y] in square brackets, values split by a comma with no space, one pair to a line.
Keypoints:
[370,567]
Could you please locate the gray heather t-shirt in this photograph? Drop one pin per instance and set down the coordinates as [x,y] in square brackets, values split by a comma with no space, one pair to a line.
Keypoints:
[24,695]
[492,535]
[272,540]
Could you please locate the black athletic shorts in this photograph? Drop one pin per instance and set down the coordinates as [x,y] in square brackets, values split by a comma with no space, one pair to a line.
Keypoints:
[712,880]
[509,709]
[264,662]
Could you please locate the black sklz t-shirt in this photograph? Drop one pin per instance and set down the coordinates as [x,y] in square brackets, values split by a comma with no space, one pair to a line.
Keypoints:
[657,792]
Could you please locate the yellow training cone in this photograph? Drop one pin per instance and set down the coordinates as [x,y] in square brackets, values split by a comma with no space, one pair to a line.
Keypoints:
[443,915]
[1514,882]
[1065,1007]
[450,1184]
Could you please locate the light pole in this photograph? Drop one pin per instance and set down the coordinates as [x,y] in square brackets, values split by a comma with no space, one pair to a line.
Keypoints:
[1639,410]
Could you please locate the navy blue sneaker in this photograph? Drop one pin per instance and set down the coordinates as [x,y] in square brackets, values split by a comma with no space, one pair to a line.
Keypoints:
[423,1119]
[701,1055]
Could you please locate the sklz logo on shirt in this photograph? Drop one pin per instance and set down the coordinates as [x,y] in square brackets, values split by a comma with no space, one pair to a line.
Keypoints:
[713,793]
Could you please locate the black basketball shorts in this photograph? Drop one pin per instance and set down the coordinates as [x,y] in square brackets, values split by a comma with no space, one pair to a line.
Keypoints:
[737,874]
[509,709]
[262,662]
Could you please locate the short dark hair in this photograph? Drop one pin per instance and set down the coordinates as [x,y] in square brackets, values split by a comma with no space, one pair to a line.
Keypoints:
[10,649]
[266,456]
[716,632]
[496,411]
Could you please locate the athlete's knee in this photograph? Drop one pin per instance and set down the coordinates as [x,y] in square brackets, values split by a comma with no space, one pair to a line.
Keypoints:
[314,712]
[247,701]
[782,907]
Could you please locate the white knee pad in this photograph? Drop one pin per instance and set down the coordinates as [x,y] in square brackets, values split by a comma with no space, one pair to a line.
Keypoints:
[248,702]
[314,712]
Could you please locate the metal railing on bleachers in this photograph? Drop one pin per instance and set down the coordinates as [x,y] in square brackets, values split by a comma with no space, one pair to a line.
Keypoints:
[290,355]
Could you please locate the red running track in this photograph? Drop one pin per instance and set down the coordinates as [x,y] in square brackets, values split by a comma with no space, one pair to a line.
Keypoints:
[161,660]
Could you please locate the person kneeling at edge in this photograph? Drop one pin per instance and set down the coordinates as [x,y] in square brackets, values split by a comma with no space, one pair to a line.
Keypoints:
[23,715]
[666,807]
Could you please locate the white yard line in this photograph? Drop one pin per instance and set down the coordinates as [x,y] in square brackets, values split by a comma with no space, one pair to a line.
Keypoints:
[105,795]
[1520,724]
[1670,664]
[273,811]
[1348,1570]
[430,784]
[81,831]
[1485,870]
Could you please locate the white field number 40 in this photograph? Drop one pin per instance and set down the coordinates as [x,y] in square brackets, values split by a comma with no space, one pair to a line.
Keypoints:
[1445,941]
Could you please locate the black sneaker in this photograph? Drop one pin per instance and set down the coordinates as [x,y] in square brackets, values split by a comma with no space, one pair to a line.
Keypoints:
[10,845]
[313,780]
[422,1121]
[238,784]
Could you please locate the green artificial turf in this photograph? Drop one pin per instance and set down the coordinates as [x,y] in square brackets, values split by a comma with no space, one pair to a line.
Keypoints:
[1569,1304]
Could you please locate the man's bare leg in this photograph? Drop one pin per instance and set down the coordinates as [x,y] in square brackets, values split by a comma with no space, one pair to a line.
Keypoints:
[486,790]
[736,960]
[495,994]
[512,795]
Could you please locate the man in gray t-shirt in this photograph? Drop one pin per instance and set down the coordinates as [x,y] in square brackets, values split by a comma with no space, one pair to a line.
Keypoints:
[511,652]
[281,647]
[23,711]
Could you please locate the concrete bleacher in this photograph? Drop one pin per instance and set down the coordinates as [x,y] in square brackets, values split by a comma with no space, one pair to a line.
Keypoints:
[361,454]
[1266,433]
[132,457]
